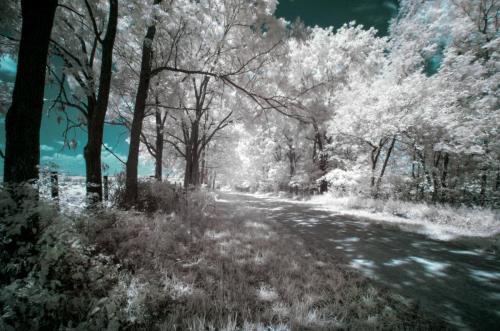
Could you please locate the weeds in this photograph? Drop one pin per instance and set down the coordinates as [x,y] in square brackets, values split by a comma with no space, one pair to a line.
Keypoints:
[441,221]
[198,269]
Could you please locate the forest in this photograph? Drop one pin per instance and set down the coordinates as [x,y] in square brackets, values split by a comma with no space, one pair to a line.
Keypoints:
[281,153]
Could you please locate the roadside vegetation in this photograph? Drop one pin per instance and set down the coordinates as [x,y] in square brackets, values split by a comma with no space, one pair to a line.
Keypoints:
[196,266]
[439,221]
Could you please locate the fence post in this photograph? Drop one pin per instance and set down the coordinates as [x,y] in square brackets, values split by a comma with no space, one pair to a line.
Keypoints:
[54,185]
[106,188]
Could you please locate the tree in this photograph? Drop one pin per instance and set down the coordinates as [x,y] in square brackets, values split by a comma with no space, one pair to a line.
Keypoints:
[139,113]
[320,66]
[23,120]
[214,46]
[79,40]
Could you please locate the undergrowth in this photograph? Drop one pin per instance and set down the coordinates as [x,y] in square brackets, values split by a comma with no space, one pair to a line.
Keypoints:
[204,267]
[458,221]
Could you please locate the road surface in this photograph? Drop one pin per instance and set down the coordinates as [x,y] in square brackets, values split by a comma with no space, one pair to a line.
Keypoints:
[450,280]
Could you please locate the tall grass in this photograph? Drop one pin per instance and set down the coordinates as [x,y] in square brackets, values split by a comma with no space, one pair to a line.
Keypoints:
[204,267]
[454,221]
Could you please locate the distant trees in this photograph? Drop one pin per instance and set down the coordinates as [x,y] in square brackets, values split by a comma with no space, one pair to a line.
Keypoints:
[205,51]
[413,115]
[435,99]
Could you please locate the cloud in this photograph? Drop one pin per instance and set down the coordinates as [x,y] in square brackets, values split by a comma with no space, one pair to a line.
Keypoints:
[74,164]
[46,148]
[63,157]
[67,163]
[364,7]
[390,5]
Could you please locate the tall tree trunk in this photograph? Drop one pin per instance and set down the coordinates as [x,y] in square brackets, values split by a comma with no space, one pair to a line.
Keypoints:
[497,181]
[320,156]
[97,115]
[444,175]
[159,145]
[384,166]
[375,154]
[435,179]
[138,118]
[213,180]
[423,160]
[482,193]
[24,118]
[188,167]
[203,168]
[374,158]
[195,158]
[193,148]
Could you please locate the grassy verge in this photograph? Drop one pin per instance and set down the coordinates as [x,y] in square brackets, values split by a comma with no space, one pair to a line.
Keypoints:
[205,268]
[441,222]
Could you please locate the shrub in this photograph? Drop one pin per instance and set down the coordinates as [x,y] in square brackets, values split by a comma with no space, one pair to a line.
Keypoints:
[152,195]
[54,282]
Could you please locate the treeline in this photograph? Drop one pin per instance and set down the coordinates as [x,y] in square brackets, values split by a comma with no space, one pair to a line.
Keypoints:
[144,66]
[224,92]
[412,116]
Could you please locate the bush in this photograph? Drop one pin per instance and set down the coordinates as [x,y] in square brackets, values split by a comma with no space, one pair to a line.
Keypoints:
[152,195]
[55,281]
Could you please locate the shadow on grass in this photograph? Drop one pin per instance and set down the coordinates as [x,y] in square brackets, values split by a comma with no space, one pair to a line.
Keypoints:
[449,279]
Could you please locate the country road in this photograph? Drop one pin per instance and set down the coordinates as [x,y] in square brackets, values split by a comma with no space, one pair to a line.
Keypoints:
[450,280]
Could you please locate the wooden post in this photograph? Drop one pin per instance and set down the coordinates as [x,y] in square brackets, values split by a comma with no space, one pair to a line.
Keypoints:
[106,188]
[54,185]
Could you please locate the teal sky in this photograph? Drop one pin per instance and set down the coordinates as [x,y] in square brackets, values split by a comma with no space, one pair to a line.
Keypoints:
[376,13]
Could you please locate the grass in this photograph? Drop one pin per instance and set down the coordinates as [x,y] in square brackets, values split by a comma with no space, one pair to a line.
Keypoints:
[206,266]
[227,271]
[439,221]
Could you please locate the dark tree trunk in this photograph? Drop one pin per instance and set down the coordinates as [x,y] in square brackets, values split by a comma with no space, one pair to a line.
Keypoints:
[435,179]
[159,146]
[497,181]
[374,160]
[92,154]
[191,176]
[292,157]
[482,193]
[23,120]
[192,170]
[203,168]
[188,167]
[193,148]
[213,180]
[97,114]
[194,173]
[320,157]
[139,111]
[423,160]
[384,166]
[444,176]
